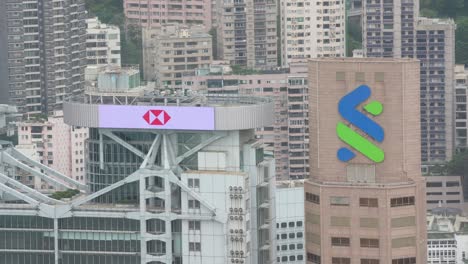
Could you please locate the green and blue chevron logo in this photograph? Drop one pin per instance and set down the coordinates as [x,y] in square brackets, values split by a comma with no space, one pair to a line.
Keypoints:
[347,108]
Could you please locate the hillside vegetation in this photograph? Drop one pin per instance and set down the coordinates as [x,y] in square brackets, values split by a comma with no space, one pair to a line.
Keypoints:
[456,9]
[111,12]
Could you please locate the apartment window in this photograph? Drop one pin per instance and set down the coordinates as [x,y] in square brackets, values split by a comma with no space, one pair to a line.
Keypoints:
[368,202]
[369,243]
[403,221]
[434,184]
[402,201]
[341,260]
[299,223]
[194,183]
[339,201]
[370,261]
[194,246]
[360,77]
[314,258]
[313,198]
[340,241]
[193,204]
[194,225]
[340,76]
[404,261]
[452,184]
[379,76]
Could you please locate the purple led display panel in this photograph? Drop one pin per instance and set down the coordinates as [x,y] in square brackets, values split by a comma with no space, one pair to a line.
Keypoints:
[156,117]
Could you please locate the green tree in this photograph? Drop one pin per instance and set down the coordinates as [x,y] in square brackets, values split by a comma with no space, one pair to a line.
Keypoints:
[459,164]
[461,41]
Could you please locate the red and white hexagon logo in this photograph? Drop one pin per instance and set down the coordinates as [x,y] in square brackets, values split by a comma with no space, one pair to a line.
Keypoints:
[156,117]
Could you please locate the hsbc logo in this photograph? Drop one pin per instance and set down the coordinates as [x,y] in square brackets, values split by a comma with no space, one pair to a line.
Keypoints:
[156,117]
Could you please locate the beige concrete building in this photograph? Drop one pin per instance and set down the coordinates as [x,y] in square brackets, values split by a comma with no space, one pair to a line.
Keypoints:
[444,191]
[246,33]
[174,50]
[361,211]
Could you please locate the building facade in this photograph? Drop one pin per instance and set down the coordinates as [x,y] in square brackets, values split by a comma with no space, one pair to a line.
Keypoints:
[46,53]
[290,222]
[461,95]
[444,191]
[311,29]
[365,197]
[149,13]
[173,51]
[394,29]
[247,33]
[287,138]
[58,145]
[102,43]
[447,237]
[161,188]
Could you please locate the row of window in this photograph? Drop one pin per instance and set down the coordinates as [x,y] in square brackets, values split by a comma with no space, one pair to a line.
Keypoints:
[291,258]
[291,235]
[363,202]
[290,247]
[345,242]
[290,224]
[340,260]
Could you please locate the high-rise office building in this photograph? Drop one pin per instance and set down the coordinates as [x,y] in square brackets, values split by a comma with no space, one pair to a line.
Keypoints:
[102,43]
[365,198]
[157,12]
[246,33]
[311,29]
[46,52]
[394,29]
[169,180]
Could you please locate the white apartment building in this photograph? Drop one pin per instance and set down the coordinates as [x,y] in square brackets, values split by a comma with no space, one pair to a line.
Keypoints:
[102,43]
[447,233]
[461,120]
[58,145]
[290,222]
[311,29]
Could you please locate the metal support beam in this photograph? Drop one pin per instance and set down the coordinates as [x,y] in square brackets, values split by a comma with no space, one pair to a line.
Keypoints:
[151,155]
[18,195]
[123,143]
[20,156]
[31,192]
[12,161]
[101,151]
[198,147]
[131,178]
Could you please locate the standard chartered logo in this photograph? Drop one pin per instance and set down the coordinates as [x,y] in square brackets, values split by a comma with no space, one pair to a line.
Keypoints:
[348,110]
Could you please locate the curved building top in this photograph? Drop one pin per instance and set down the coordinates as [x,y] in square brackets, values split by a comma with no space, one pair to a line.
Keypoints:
[149,111]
